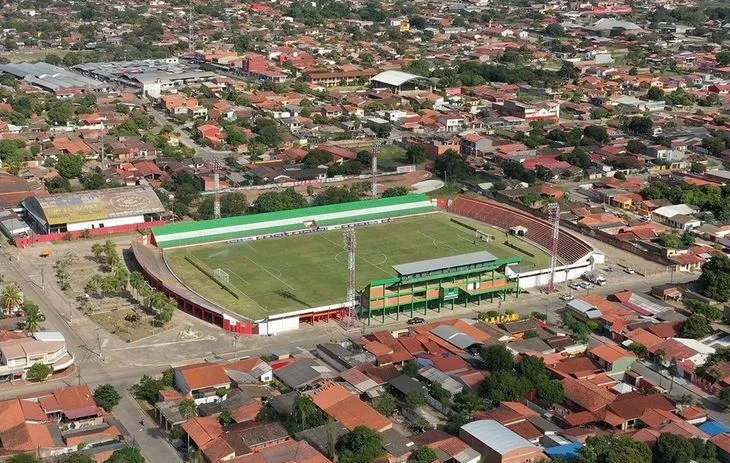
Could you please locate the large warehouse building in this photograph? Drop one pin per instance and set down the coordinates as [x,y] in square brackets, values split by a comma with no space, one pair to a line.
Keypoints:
[89,210]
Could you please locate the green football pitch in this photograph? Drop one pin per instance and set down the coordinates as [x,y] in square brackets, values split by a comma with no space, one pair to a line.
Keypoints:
[280,275]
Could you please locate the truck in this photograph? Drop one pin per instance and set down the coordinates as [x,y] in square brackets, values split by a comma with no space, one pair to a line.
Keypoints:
[595,278]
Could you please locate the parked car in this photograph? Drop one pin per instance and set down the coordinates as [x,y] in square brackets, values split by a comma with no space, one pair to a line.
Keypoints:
[610,268]
[629,270]
[574,285]
[415,321]
[567,297]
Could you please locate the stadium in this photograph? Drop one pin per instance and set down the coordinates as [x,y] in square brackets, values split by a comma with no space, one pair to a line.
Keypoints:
[266,273]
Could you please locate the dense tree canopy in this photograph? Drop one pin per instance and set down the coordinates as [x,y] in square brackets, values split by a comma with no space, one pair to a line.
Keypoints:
[612,449]
[714,282]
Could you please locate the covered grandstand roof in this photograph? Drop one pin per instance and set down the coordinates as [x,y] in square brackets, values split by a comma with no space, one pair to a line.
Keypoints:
[86,206]
[444,262]
[231,228]
[395,78]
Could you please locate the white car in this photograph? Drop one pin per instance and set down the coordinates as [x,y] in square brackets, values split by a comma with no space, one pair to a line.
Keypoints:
[629,270]
[574,286]
[567,297]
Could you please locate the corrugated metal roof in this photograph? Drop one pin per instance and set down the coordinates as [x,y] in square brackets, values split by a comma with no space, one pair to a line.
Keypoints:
[497,437]
[272,222]
[454,336]
[445,262]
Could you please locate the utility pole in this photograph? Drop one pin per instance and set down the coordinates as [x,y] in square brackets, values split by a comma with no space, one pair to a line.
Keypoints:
[191,46]
[374,165]
[217,187]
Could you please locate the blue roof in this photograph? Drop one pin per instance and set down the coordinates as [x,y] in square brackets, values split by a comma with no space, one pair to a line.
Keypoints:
[567,450]
[714,428]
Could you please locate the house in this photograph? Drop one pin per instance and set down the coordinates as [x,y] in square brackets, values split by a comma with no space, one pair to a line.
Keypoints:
[612,358]
[251,369]
[19,354]
[347,408]
[679,216]
[204,382]
[497,444]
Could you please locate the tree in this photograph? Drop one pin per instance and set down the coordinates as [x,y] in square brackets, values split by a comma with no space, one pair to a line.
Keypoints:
[596,132]
[724,396]
[39,372]
[316,158]
[386,404]
[696,326]
[655,94]
[188,408]
[93,181]
[639,349]
[107,397]
[415,154]
[423,454]
[362,445]
[714,282]
[33,316]
[305,414]
[611,449]
[554,30]
[147,389]
[225,417]
[533,369]
[451,166]
[673,448]
[568,70]
[77,457]
[496,357]
[395,191]
[11,298]
[698,168]
[710,312]
[723,57]
[126,455]
[336,195]
[641,125]
[58,185]
[415,399]
[272,201]
[549,393]
[23,458]
[503,386]
[69,165]
[410,368]
[465,403]
[232,204]
[688,238]
[670,240]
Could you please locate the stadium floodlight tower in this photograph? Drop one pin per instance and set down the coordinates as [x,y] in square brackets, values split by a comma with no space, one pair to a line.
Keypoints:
[375,151]
[351,248]
[554,218]
[217,187]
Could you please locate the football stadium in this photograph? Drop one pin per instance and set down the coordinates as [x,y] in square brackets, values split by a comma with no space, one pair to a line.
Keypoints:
[264,273]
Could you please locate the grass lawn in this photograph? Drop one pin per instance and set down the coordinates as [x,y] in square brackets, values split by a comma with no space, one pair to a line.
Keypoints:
[391,156]
[284,274]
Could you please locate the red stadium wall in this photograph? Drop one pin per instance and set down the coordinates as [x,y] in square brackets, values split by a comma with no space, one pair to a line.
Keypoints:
[93,232]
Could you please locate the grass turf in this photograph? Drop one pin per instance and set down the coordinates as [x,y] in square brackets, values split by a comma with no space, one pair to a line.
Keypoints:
[283,274]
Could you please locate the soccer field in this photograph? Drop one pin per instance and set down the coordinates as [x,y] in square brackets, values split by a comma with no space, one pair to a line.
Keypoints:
[279,275]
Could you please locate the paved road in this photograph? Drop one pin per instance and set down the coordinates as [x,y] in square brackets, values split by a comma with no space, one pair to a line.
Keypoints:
[205,152]
[91,368]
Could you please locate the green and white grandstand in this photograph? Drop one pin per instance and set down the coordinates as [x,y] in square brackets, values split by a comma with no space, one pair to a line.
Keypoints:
[291,221]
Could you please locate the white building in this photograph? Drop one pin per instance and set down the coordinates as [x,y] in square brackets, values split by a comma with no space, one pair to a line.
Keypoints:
[86,210]
[18,355]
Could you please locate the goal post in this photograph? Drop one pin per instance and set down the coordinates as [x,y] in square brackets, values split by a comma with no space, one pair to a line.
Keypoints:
[221,275]
[480,235]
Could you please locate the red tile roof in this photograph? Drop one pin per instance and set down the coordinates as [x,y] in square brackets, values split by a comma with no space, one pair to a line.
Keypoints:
[203,375]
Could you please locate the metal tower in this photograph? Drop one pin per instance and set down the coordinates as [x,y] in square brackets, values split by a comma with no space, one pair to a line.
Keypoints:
[217,187]
[351,247]
[375,151]
[554,218]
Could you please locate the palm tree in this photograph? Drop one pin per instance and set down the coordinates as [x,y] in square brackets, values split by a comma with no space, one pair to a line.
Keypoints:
[136,280]
[97,249]
[11,298]
[33,317]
